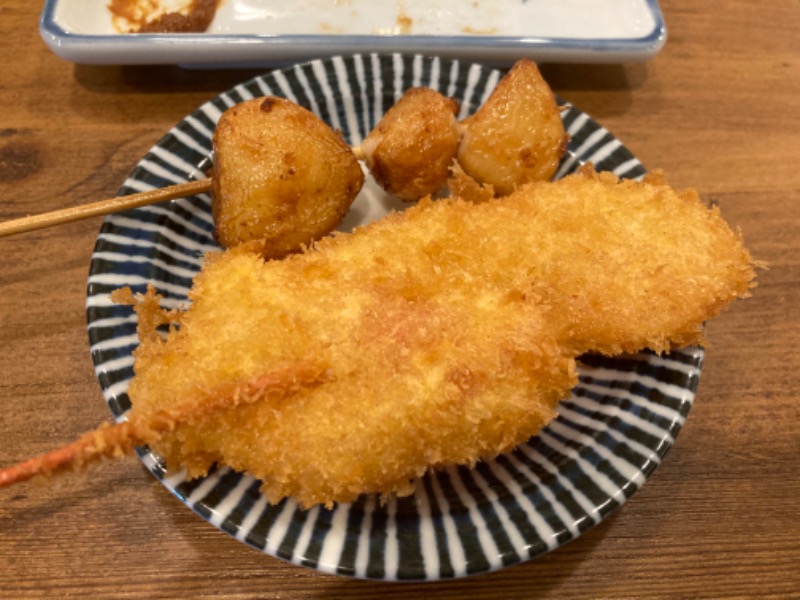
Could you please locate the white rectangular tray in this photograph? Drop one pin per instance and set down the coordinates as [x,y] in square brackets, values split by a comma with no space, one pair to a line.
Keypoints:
[265,32]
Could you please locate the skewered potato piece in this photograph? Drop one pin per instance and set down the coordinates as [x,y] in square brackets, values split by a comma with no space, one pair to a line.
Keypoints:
[414,144]
[280,175]
[517,135]
[283,176]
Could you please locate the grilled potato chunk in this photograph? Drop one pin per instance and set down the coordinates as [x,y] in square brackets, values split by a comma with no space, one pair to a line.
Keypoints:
[412,147]
[517,135]
[280,175]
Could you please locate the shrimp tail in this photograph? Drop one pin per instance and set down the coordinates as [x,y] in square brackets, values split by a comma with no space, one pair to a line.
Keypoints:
[107,441]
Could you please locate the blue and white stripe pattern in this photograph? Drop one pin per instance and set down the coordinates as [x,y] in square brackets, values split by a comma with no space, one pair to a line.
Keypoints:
[611,432]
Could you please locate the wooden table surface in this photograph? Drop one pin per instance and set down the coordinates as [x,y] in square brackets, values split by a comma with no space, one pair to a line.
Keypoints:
[718,109]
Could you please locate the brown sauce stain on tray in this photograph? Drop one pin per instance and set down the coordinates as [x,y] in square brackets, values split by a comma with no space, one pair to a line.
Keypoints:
[139,17]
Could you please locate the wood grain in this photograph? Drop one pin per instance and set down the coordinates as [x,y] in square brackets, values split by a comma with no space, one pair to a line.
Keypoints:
[101,207]
[717,109]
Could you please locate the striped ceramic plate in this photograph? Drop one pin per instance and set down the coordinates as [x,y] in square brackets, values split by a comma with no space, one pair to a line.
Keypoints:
[611,432]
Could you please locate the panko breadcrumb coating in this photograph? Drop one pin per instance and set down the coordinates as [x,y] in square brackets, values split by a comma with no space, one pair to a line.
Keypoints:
[441,335]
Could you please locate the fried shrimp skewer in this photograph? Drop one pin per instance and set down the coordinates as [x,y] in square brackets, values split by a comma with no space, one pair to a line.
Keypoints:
[119,439]
[107,441]
[442,335]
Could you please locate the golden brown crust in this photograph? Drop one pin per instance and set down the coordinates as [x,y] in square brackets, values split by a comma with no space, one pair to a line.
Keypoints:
[438,336]
[150,315]
[412,147]
[450,330]
[517,135]
[281,175]
[465,187]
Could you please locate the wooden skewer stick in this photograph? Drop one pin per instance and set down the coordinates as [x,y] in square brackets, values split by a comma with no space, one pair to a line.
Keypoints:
[112,205]
[359,153]
[104,207]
